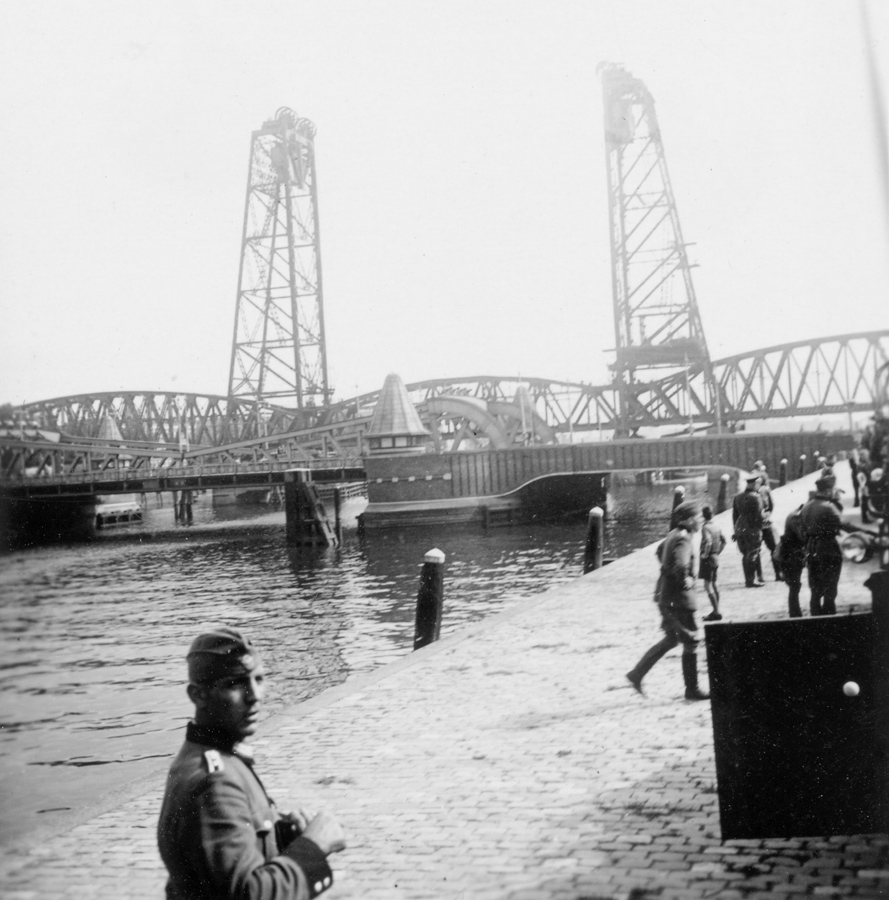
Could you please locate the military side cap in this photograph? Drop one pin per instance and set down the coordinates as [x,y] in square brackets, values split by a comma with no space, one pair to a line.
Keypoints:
[686,510]
[826,482]
[751,476]
[221,653]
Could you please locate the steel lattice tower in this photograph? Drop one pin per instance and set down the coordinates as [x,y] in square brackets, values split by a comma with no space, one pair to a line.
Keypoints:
[278,350]
[656,319]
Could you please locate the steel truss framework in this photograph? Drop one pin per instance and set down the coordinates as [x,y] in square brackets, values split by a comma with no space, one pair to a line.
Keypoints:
[830,376]
[657,324]
[278,349]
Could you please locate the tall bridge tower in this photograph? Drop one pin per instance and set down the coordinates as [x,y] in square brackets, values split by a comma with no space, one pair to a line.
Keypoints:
[657,325]
[278,350]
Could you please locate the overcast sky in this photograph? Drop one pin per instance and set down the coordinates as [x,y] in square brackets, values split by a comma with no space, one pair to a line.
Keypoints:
[461,171]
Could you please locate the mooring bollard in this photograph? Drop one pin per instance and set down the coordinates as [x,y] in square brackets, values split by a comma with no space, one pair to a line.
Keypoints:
[595,540]
[782,473]
[802,465]
[722,496]
[816,460]
[678,497]
[430,600]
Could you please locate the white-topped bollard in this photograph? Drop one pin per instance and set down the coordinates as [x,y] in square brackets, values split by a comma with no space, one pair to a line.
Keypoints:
[430,599]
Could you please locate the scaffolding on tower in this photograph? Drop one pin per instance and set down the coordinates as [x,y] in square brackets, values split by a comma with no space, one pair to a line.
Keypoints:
[658,330]
[278,350]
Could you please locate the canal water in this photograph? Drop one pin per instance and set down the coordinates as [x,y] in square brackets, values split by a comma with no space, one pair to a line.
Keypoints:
[93,636]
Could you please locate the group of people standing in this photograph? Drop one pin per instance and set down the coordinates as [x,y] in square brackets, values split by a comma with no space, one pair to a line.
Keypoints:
[809,541]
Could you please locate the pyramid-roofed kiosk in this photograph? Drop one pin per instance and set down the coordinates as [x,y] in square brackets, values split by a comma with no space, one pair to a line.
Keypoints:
[395,426]
[109,430]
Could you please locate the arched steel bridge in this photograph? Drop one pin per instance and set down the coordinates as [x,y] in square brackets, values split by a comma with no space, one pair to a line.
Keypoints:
[827,376]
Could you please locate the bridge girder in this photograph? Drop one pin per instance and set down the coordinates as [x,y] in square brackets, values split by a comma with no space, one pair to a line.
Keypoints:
[827,376]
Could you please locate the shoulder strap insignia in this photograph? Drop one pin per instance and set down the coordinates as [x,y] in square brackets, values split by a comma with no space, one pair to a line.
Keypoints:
[214,761]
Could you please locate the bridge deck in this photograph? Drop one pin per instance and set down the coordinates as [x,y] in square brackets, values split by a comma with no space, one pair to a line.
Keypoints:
[174,478]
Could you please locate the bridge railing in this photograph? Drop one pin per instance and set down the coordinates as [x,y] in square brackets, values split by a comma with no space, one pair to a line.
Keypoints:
[141,474]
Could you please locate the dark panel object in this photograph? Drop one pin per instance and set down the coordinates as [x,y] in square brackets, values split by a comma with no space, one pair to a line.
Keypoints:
[795,755]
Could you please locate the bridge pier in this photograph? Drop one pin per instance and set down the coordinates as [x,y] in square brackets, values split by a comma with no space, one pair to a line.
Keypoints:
[304,511]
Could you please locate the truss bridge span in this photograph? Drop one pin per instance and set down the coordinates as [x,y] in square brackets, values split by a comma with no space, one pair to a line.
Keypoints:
[827,376]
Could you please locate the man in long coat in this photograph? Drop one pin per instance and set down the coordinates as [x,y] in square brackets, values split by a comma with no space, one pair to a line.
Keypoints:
[747,518]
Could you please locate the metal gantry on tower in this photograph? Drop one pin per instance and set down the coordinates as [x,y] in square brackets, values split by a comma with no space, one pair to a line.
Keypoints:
[657,324]
[278,350]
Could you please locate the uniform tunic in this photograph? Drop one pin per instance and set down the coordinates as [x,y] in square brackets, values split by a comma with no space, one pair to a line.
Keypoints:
[676,594]
[217,830]
[821,524]
[747,518]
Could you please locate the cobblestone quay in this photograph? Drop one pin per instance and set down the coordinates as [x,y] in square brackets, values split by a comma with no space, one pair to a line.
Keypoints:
[512,761]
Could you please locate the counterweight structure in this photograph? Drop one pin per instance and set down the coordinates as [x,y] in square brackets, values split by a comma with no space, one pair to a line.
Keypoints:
[278,350]
[657,324]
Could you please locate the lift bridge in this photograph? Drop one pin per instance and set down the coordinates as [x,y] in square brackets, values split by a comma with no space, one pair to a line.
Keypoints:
[279,407]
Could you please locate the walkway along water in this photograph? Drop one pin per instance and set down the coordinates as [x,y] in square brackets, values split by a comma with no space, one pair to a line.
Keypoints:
[509,761]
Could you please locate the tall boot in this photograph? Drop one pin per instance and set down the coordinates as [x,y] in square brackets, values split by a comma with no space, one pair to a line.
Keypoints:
[793,606]
[649,658]
[749,571]
[690,675]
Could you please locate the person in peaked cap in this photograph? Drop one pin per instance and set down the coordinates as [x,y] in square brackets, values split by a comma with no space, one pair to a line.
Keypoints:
[821,523]
[747,518]
[675,597]
[768,530]
[219,834]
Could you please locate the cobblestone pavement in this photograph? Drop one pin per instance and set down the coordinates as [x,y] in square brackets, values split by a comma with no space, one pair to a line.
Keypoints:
[511,761]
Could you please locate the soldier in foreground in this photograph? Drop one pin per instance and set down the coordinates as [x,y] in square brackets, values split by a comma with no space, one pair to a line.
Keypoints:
[219,833]
[675,597]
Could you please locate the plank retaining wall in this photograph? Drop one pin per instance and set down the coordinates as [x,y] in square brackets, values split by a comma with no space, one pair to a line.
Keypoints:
[492,473]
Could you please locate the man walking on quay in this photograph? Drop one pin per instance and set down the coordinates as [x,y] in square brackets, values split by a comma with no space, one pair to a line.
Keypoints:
[747,517]
[676,601]
[219,833]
